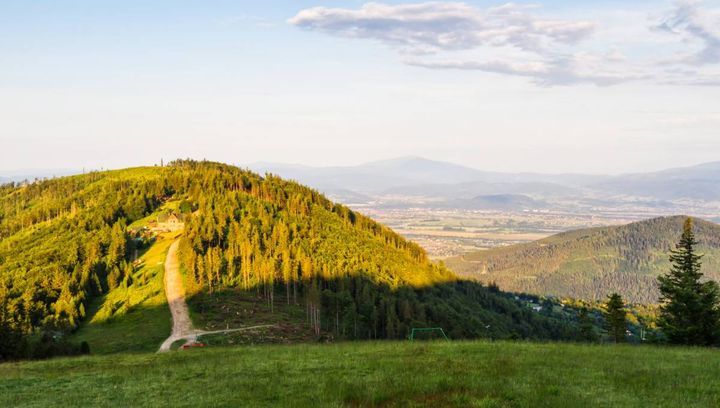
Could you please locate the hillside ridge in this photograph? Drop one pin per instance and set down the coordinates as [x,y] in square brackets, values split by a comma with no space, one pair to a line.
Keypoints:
[279,240]
[591,263]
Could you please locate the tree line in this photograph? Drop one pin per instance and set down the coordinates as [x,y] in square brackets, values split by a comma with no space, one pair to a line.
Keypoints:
[689,312]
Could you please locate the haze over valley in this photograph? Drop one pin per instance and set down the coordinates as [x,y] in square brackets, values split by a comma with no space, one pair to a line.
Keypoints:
[451,209]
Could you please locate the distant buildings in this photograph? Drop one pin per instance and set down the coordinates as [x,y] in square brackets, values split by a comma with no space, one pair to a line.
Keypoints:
[168,222]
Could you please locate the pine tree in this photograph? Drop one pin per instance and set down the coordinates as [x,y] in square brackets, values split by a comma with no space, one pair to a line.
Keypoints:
[615,318]
[586,326]
[690,312]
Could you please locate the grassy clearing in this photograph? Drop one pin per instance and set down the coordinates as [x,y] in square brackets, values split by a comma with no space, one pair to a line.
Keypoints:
[135,318]
[171,205]
[236,308]
[463,374]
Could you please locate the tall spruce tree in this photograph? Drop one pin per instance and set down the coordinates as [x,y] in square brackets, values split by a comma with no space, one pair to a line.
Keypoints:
[586,326]
[616,318]
[690,311]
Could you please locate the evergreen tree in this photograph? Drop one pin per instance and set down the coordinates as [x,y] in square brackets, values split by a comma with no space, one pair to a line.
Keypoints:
[11,342]
[84,348]
[690,312]
[586,326]
[616,318]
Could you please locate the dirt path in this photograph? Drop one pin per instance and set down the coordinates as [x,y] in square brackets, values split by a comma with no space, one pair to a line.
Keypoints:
[182,324]
[175,292]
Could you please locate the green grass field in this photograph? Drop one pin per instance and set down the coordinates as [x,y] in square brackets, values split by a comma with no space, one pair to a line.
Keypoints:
[463,374]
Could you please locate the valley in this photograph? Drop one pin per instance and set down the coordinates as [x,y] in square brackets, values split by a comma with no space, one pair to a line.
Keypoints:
[450,209]
[447,232]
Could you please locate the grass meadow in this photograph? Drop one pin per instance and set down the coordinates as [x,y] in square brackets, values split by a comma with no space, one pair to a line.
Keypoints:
[381,374]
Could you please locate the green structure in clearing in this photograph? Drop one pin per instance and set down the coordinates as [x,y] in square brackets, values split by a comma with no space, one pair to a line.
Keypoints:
[427,330]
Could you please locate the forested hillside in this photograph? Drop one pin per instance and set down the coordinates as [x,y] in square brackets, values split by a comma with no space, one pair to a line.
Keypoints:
[64,242]
[591,263]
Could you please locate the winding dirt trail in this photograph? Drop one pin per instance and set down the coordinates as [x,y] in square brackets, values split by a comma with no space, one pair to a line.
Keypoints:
[174,290]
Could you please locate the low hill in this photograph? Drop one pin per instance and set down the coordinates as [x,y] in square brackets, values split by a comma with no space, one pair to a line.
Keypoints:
[72,248]
[375,374]
[591,263]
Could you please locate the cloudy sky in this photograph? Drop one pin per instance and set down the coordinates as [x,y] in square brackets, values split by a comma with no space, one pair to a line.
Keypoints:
[548,86]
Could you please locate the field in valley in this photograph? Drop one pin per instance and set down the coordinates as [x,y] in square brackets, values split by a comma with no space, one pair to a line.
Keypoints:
[388,374]
[449,232]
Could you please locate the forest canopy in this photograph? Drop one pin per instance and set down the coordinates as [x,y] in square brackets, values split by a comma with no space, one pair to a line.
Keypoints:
[65,241]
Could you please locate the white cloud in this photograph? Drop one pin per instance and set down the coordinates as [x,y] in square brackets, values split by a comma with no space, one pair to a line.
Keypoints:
[434,26]
[517,40]
[569,70]
[695,24]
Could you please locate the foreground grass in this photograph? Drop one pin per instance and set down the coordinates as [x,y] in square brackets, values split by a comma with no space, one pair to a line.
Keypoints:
[464,374]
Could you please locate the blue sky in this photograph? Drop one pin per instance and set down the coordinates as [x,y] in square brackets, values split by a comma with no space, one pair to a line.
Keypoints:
[552,86]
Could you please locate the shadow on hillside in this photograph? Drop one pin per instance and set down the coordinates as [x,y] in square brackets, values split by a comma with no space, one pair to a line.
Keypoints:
[141,329]
[334,310]
[358,308]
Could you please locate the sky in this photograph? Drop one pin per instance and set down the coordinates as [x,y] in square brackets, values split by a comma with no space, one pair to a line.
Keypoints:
[548,86]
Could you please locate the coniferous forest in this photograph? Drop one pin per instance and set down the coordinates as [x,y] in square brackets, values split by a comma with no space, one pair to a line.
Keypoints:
[66,241]
[593,263]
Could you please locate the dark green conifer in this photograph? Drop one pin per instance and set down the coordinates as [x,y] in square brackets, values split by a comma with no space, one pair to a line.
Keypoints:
[586,326]
[616,318]
[690,312]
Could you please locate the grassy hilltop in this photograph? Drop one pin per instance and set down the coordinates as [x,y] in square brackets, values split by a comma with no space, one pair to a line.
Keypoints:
[382,374]
[75,253]
[591,263]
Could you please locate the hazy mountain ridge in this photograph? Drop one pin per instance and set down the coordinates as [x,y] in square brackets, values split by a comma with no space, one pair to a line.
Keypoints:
[419,177]
[696,182]
[592,263]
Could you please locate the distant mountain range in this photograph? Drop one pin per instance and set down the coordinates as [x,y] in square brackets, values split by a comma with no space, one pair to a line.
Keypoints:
[445,184]
[592,263]
[698,182]
[420,177]
[381,175]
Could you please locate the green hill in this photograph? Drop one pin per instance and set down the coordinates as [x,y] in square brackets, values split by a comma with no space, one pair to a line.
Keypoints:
[591,263]
[375,374]
[77,251]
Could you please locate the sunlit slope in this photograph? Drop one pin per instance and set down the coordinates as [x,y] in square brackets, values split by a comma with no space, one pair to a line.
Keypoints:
[79,252]
[592,263]
[66,241]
